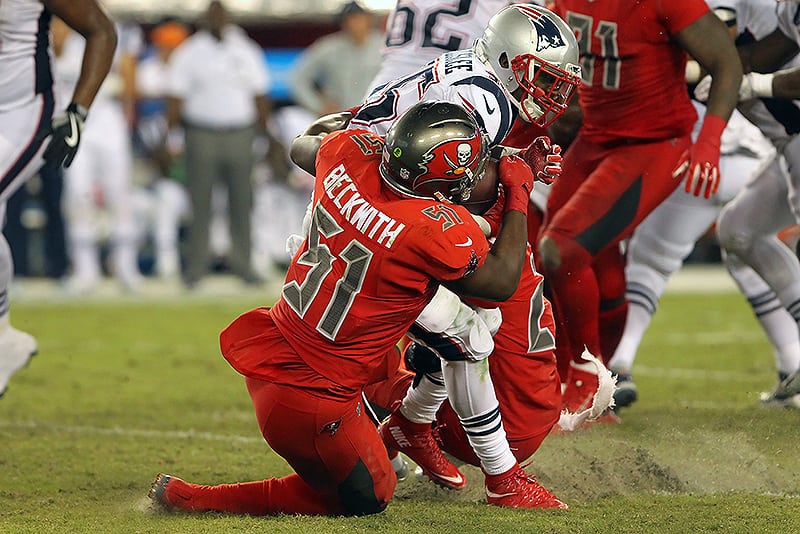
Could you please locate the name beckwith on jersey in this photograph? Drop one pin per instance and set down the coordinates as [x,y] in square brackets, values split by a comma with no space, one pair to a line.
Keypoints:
[368,266]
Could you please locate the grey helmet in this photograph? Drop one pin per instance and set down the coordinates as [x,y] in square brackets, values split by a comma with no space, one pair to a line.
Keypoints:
[530,47]
[434,150]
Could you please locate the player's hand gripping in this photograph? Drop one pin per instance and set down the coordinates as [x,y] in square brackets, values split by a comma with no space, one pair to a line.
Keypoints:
[700,164]
[517,180]
[544,159]
[65,136]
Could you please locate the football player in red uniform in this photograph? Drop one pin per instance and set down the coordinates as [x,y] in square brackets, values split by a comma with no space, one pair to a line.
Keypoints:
[384,233]
[632,150]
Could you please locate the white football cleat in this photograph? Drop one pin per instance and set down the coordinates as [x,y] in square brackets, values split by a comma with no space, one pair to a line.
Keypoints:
[16,350]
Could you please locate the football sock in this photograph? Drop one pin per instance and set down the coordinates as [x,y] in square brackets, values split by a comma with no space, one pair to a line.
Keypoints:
[6,273]
[424,398]
[780,327]
[612,320]
[577,298]
[286,495]
[638,319]
[472,397]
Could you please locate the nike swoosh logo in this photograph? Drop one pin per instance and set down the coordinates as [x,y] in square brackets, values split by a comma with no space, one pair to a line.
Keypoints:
[455,480]
[493,495]
[489,109]
[466,243]
[72,140]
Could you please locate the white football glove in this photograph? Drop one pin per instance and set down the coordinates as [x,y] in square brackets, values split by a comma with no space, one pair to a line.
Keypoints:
[754,85]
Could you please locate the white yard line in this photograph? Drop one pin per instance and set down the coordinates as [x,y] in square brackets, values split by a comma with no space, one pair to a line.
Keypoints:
[128,432]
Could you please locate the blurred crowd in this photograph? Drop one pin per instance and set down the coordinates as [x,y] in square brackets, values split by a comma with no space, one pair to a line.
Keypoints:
[184,169]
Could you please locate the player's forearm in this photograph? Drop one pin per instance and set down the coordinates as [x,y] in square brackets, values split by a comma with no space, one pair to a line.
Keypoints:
[786,84]
[498,277]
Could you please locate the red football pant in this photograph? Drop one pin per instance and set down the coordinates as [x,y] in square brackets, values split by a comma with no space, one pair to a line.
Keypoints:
[601,196]
[340,461]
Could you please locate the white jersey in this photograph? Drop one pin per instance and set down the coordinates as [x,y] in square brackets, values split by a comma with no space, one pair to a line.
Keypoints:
[417,32]
[24,52]
[778,119]
[457,77]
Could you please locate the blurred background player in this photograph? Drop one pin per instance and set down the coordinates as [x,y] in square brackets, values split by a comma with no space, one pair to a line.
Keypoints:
[307,359]
[627,158]
[217,88]
[667,236]
[99,183]
[745,228]
[334,72]
[29,133]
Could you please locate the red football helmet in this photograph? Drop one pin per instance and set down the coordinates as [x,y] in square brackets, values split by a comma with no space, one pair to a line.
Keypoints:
[434,150]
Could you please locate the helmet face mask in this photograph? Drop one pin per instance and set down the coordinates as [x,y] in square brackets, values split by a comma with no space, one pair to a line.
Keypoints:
[535,55]
[434,150]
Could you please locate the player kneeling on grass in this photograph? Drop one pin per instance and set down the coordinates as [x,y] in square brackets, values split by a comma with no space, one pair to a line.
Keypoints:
[384,233]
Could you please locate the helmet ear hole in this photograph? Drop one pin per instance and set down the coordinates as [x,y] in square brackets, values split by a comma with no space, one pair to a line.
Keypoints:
[503,60]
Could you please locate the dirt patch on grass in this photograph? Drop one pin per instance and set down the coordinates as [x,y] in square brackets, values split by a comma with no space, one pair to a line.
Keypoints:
[596,463]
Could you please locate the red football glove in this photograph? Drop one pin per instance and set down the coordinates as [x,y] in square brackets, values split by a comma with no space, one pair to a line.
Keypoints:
[544,159]
[700,164]
[517,180]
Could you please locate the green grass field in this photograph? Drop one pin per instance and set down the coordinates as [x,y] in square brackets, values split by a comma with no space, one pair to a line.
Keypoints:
[124,389]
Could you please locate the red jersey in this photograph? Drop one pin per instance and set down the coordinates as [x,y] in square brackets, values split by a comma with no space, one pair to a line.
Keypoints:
[523,364]
[366,270]
[633,70]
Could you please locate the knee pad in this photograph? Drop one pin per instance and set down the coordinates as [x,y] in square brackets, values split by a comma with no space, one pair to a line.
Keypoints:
[733,237]
[421,359]
[560,252]
[358,492]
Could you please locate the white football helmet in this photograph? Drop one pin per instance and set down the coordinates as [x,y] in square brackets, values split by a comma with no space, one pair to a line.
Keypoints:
[530,47]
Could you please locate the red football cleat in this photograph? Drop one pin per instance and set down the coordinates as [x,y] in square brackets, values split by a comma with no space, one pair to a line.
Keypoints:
[415,440]
[517,489]
[581,387]
[171,493]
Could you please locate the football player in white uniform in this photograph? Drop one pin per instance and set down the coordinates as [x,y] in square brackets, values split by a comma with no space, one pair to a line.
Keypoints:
[102,170]
[417,32]
[29,134]
[525,65]
[745,228]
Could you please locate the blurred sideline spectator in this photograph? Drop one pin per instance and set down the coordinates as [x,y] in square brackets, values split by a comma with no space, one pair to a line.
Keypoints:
[335,71]
[165,201]
[217,89]
[98,184]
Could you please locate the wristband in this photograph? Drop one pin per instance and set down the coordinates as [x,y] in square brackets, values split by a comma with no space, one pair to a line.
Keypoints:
[761,84]
[712,128]
[81,111]
[517,200]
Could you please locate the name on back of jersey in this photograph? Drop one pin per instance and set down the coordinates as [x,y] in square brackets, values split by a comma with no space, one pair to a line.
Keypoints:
[460,60]
[365,218]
